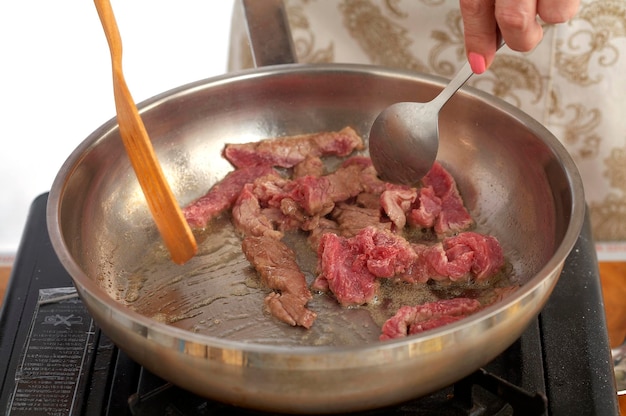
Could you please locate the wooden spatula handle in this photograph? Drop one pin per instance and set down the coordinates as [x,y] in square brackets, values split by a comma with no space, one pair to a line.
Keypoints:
[168,216]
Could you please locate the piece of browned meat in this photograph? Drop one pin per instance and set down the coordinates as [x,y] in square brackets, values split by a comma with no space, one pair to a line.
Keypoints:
[452,215]
[272,204]
[289,151]
[276,264]
[265,208]
[317,227]
[427,208]
[248,218]
[396,201]
[352,218]
[310,166]
[317,195]
[350,267]
[468,256]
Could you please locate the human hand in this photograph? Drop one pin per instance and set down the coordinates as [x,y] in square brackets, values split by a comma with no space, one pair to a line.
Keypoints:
[515,19]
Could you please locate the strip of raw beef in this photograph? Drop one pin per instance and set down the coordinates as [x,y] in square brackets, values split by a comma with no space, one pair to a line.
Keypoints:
[453,217]
[415,319]
[428,208]
[385,254]
[221,196]
[289,151]
[467,256]
[487,258]
[276,264]
[343,273]
[349,267]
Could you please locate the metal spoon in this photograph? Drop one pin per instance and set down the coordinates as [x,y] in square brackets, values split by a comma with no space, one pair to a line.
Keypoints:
[404,138]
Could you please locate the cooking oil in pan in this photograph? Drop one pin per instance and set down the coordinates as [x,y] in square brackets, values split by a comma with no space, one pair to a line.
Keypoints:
[219,294]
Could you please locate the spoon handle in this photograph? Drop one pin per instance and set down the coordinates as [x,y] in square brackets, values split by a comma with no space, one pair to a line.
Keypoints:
[459,79]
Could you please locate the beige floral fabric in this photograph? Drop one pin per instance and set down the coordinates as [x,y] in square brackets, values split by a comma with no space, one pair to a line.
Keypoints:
[574,82]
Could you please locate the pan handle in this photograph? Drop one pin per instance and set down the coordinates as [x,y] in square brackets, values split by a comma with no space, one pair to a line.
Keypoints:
[268,32]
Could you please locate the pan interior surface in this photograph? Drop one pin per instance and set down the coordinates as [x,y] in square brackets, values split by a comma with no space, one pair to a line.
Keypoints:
[202,325]
[510,180]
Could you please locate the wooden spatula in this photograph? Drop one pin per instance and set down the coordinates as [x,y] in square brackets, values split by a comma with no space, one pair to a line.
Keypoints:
[167,215]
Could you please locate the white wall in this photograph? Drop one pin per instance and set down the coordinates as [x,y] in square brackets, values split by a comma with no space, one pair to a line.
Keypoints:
[55,80]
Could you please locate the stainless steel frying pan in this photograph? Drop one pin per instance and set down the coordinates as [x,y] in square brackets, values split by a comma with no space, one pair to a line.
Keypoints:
[201,325]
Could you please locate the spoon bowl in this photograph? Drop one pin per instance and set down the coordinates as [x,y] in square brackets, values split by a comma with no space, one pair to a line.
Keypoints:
[404,138]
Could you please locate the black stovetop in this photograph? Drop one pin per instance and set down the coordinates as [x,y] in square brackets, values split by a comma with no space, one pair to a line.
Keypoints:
[56,361]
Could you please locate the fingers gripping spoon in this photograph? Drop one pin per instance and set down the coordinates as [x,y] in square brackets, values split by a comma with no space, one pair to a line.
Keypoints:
[167,215]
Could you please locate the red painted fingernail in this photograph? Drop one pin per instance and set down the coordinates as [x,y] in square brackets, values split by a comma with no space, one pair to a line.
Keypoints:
[477,62]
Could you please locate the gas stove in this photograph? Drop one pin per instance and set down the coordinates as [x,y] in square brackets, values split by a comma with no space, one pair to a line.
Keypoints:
[56,361]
